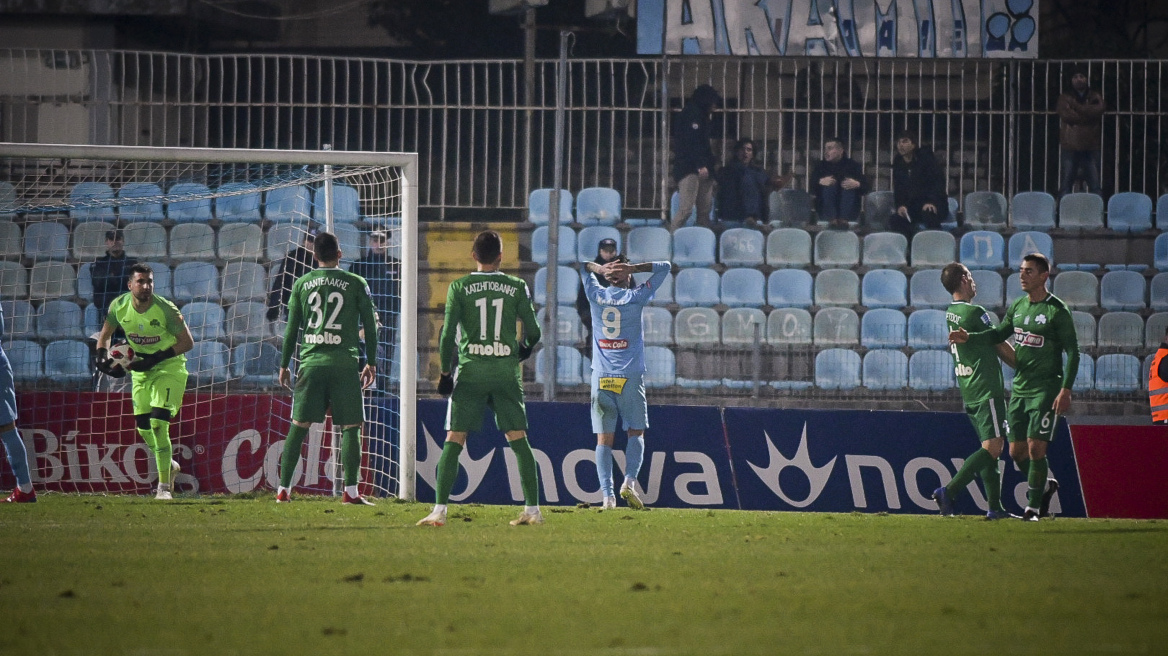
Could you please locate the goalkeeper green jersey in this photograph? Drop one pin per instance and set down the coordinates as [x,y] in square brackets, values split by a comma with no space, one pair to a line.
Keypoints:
[326,311]
[486,306]
[1043,331]
[155,329]
[976,365]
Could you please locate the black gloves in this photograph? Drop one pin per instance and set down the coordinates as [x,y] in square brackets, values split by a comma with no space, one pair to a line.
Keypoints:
[445,384]
[106,366]
[525,351]
[146,361]
[273,313]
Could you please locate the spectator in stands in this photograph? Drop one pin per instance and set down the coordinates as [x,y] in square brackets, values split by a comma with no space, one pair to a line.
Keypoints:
[743,186]
[292,266]
[838,185]
[383,274]
[918,188]
[1080,133]
[693,159]
[1158,383]
[605,253]
[110,273]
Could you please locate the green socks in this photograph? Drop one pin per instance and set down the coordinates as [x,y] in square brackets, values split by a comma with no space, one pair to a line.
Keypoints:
[351,453]
[973,465]
[992,479]
[528,472]
[157,438]
[447,471]
[1036,482]
[296,435]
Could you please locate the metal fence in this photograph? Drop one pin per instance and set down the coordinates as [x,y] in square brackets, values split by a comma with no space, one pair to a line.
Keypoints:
[483,146]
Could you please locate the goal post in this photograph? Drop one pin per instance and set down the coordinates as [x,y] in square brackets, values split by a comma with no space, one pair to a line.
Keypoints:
[218,226]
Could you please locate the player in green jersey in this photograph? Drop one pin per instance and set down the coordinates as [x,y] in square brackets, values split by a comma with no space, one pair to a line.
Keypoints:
[156,331]
[486,305]
[980,378]
[327,310]
[1043,331]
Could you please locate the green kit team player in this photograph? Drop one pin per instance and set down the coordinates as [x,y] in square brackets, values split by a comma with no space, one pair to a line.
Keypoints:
[485,306]
[980,378]
[1043,332]
[156,331]
[327,310]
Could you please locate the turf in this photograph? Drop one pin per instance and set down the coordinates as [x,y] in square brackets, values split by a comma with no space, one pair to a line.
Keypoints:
[128,575]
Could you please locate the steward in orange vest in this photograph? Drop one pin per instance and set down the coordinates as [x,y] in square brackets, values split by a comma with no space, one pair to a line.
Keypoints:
[1158,384]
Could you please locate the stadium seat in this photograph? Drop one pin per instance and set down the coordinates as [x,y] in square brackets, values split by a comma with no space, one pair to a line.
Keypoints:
[788,247]
[932,249]
[738,325]
[589,240]
[660,367]
[1082,211]
[789,288]
[1154,330]
[1013,288]
[696,326]
[163,279]
[88,240]
[990,289]
[567,286]
[539,207]
[246,320]
[878,207]
[235,202]
[1085,328]
[885,369]
[145,240]
[657,326]
[1162,212]
[1129,211]
[884,288]
[925,290]
[1118,373]
[349,241]
[837,369]
[569,330]
[650,244]
[12,241]
[837,287]
[1158,292]
[1123,290]
[188,202]
[192,241]
[985,209]
[789,207]
[256,363]
[84,199]
[283,238]
[931,371]
[569,366]
[1033,210]
[195,281]
[694,246]
[836,326]
[1024,243]
[1078,289]
[982,249]
[67,360]
[692,219]
[91,322]
[697,287]
[205,320]
[837,248]
[743,288]
[927,329]
[46,240]
[1123,330]
[882,328]
[48,280]
[598,206]
[565,246]
[788,327]
[346,204]
[288,204]
[207,363]
[1085,374]
[241,241]
[20,319]
[664,294]
[27,359]
[698,370]
[741,247]
[885,249]
[60,320]
[150,206]
[13,280]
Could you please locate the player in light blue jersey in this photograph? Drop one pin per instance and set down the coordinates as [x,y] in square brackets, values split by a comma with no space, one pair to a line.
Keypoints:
[618,366]
[13,446]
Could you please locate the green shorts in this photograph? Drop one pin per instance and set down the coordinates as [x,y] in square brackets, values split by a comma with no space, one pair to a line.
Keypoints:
[989,419]
[160,387]
[1032,417]
[332,386]
[464,411]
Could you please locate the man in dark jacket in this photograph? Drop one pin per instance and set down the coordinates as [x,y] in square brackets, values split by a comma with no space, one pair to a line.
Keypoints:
[918,188]
[693,160]
[743,186]
[605,253]
[1080,133]
[110,273]
[293,265]
[838,185]
[383,274]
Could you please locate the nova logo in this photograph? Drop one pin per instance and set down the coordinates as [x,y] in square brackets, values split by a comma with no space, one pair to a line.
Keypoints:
[817,476]
[963,370]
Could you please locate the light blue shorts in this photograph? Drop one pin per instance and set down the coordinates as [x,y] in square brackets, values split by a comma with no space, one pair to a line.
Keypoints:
[629,403]
[7,392]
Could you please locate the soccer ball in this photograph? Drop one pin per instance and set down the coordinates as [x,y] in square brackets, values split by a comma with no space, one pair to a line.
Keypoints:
[121,355]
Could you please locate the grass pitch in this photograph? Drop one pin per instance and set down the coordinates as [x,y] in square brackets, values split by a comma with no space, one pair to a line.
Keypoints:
[129,575]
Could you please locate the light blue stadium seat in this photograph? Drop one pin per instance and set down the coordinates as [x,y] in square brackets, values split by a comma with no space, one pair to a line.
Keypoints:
[565,246]
[884,288]
[188,202]
[1078,289]
[933,249]
[208,363]
[20,319]
[694,246]
[1162,212]
[664,294]
[741,247]
[885,369]
[1160,249]
[789,207]
[48,280]
[13,280]
[836,326]
[1024,243]
[1085,374]
[878,207]
[195,281]
[882,328]
[85,196]
[650,244]
[539,207]
[931,371]
[982,249]
[692,219]
[743,288]
[837,369]
[1033,210]
[589,239]
[598,206]
[256,363]
[1013,288]
[349,241]
[788,327]
[1124,330]
[1158,292]
[927,329]
[1118,373]
[1154,330]
[88,240]
[657,326]
[950,222]
[990,289]
[163,279]
[985,209]
[696,326]
[192,241]
[236,202]
[27,359]
[569,330]
[567,286]
[569,366]
[284,237]
[925,290]
[1085,328]
[67,361]
[1081,211]
[346,204]
[788,247]
[1129,211]
[837,248]
[789,288]
[837,287]
[697,287]
[1123,290]
[885,249]
[246,320]
[46,240]
[660,367]
[60,320]
[150,206]
[145,240]
[738,326]
[205,320]
[12,239]
[241,241]
[288,204]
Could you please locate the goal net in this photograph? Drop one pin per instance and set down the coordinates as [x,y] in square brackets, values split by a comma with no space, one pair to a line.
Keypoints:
[226,233]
